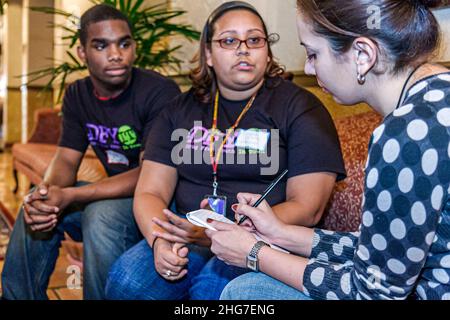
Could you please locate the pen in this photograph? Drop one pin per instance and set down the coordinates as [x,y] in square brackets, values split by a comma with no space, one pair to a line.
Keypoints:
[266,192]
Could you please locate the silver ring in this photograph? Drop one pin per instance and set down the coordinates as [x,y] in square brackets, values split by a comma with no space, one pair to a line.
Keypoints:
[168,273]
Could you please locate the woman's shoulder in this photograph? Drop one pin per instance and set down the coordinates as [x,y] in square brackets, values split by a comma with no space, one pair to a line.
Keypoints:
[184,101]
[424,115]
[292,95]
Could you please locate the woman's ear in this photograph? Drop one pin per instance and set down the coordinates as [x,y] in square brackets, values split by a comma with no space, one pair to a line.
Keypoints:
[365,55]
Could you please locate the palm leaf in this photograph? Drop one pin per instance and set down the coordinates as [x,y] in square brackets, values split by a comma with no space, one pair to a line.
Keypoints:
[2,4]
[152,27]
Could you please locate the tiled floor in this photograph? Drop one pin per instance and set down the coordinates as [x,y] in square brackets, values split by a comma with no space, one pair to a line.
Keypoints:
[58,289]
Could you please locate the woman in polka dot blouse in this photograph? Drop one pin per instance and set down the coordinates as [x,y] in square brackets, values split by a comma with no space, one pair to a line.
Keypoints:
[402,249]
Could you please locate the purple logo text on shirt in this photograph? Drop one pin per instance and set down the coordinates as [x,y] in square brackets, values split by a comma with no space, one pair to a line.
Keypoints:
[99,135]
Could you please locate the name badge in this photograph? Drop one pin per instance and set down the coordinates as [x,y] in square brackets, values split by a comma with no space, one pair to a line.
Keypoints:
[253,139]
[117,158]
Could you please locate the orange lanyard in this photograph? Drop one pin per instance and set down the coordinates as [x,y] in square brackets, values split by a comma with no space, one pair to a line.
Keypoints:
[215,159]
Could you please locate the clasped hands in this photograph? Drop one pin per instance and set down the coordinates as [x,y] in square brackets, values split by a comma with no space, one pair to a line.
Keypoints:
[230,243]
[43,206]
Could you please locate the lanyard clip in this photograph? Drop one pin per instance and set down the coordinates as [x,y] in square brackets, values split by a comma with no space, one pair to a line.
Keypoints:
[215,185]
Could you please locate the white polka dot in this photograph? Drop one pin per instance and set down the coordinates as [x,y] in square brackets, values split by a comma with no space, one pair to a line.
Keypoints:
[446,296]
[441,275]
[443,117]
[418,213]
[429,238]
[363,253]
[403,110]
[368,161]
[379,242]
[391,151]
[384,201]
[406,180]
[398,229]
[378,132]
[346,241]
[397,290]
[337,249]
[322,256]
[345,283]
[327,232]
[445,262]
[396,266]
[421,292]
[434,96]
[430,161]
[433,285]
[338,267]
[332,296]
[367,219]
[411,281]
[415,254]
[417,130]
[417,88]
[376,273]
[448,245]
[445,77]
[317,276]
[372,178]
[305,291]
[436,197]
[434,241]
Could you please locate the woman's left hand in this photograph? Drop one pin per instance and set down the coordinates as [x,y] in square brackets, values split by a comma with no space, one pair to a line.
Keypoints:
[181,230]
[231,243]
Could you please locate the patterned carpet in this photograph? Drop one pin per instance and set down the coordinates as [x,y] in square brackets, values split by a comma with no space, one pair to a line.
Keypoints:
[6,222]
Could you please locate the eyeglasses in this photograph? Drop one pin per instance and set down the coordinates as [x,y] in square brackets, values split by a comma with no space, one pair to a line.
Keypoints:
[230,43]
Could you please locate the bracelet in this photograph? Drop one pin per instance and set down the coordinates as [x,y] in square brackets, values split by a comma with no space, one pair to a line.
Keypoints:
[153,243]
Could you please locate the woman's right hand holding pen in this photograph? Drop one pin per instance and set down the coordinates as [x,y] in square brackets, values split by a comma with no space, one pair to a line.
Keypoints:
[261,220]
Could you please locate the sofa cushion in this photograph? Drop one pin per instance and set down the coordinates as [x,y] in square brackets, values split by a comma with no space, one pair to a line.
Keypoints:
[33,159]
[343,212]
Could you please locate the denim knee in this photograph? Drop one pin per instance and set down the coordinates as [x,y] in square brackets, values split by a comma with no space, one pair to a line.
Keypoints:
[118,281]
[102,218]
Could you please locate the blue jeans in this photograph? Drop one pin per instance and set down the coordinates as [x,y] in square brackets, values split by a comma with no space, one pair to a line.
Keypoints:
[107,229]
[258,286]
[133,277]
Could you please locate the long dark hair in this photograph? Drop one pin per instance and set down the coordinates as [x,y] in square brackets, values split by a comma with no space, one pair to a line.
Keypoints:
[408,33]
[202,76]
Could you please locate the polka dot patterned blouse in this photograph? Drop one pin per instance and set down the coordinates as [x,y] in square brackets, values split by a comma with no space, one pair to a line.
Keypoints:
[402,248]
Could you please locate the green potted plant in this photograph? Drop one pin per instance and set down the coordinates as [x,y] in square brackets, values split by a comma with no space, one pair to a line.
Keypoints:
[152,27]
[2,5]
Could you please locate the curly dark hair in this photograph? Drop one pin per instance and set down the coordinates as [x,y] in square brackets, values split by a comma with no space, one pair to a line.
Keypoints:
[203,76]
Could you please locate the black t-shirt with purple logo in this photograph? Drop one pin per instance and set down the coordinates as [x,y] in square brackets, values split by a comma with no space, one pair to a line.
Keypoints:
[286,128]
[116,128]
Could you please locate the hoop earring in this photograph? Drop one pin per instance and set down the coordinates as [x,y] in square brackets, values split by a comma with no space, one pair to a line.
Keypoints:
[361,79]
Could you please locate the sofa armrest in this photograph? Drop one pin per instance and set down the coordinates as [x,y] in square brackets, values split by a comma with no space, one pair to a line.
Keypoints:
[47,128]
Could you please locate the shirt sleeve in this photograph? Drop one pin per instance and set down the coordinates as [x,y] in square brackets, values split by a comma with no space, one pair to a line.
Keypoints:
[160,100]
[402,201]
[159,146]
[313,143]
[335,247]
[73,134]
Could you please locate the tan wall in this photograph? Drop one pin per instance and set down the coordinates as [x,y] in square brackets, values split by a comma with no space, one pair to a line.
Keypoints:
[280,17]
[443,16]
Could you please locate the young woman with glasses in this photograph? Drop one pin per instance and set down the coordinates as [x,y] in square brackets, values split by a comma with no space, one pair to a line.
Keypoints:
[402,248]
[234,130]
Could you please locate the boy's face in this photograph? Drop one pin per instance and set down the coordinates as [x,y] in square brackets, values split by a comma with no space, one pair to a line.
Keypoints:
[109,53]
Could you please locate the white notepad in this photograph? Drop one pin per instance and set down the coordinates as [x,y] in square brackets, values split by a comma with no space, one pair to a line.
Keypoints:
[200,217]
